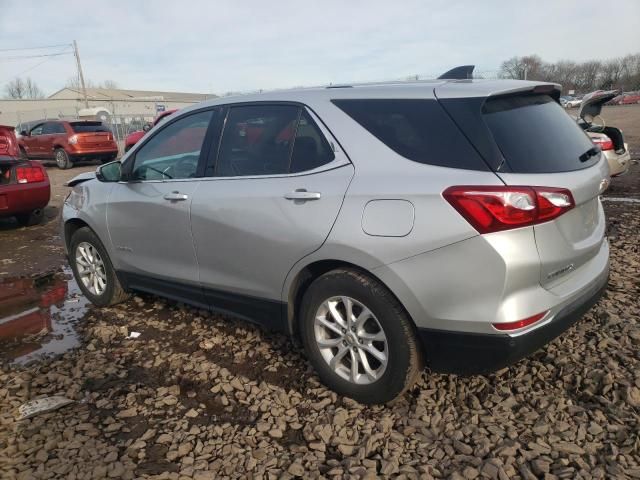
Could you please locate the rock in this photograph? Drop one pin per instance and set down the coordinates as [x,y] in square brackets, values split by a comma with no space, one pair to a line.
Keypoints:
[462,447]
[275,433]
[296,469]
[128,413]
[185,448]
[539,467]
[164,438]
[568,448]
[346,450]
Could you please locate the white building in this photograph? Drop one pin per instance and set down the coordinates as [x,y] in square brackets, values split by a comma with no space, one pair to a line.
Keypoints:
[119,105]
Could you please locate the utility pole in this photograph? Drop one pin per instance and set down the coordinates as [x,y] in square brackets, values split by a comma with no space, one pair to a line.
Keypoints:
[84,90]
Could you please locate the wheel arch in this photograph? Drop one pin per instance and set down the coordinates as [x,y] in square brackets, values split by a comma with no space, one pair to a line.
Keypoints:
[313,270]
[71,226]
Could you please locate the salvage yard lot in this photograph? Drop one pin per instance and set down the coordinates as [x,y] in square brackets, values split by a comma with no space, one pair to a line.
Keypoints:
[199,395]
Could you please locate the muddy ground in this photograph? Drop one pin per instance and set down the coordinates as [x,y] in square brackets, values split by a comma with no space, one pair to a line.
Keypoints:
[198,395]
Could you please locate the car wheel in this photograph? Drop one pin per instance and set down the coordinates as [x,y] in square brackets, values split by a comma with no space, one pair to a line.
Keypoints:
[32,218]
[93,270]
[62,159]
[358,337]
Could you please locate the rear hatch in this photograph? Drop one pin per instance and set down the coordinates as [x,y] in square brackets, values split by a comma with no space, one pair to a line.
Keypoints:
[528,139]
[92,134]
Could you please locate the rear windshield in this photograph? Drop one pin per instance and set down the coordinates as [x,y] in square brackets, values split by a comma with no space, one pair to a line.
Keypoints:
[87,127]
[535,135]
[417,129]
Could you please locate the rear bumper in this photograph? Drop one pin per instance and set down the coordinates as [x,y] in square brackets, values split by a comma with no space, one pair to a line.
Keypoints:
[475,353]
[618,164]
[93,154]
[23,198]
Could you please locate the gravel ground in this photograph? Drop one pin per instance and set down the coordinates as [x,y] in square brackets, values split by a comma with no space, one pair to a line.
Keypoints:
[205,396]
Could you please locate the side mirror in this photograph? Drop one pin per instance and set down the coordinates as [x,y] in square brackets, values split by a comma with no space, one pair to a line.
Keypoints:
[146,127]
[24,133]
[109,172]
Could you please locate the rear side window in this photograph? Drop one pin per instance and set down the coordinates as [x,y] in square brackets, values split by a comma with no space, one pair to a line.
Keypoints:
[419,130]
[535,135]
[310,149]
[88,127]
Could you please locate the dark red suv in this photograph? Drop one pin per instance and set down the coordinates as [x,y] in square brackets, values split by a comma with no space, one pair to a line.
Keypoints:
[68,142]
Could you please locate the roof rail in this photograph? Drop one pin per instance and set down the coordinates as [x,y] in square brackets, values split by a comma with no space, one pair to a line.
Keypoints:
[462,72]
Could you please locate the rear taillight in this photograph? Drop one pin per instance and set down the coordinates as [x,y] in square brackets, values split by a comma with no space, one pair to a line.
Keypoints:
[29,174]
[8,145]
[519,324]
[604,142]
[493,209]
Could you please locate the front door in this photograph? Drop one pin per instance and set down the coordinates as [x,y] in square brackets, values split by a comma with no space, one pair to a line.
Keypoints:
[272,198]
[32,142]
[148,215]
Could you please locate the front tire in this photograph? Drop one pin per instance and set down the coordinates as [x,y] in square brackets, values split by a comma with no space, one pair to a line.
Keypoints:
[358,337]
[93,270]
[62,159]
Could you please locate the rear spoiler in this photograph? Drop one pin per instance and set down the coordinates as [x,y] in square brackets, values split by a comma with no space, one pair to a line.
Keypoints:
[463,72]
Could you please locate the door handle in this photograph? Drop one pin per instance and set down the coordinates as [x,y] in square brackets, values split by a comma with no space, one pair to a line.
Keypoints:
[175,196]
[303,195]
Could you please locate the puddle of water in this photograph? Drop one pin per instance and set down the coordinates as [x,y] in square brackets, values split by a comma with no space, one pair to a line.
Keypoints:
[620,199]
[38,316]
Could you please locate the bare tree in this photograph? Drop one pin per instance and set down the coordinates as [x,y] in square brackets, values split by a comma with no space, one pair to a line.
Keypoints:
[23,89]
[616,73]
[112,84]
[520,68]
[74,83]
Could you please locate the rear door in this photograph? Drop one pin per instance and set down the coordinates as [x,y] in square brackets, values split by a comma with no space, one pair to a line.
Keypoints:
[543,146]
[273,192]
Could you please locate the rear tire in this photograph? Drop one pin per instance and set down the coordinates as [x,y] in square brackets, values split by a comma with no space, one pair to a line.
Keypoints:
[32,218]
[380,337]
[93,269]
[62,159]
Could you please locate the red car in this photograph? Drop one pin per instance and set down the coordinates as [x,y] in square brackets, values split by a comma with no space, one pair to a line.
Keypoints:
[135,137]
[24,185]
[68,142]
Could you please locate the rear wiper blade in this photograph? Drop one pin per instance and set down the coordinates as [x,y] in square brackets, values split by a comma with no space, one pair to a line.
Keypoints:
[592,152]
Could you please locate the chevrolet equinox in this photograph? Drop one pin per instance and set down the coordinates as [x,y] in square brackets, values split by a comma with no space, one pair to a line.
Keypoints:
[455,224]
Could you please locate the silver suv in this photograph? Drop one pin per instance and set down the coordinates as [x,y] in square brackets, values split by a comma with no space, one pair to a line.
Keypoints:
[452,223]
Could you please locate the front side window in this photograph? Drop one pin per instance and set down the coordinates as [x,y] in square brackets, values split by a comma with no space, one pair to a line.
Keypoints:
[174,151]
[37,130]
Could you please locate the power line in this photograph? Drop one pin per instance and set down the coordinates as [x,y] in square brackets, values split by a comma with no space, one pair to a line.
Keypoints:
[7,80]
[34,48]
[22,57]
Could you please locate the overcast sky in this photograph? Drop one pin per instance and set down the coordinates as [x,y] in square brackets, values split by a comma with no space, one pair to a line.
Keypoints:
[220,46]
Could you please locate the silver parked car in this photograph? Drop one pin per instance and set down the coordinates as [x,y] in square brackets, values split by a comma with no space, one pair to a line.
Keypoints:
[387,226]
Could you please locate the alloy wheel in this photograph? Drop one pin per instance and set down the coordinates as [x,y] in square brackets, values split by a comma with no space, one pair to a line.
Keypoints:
[91,268]
[60,160]
[351,340]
